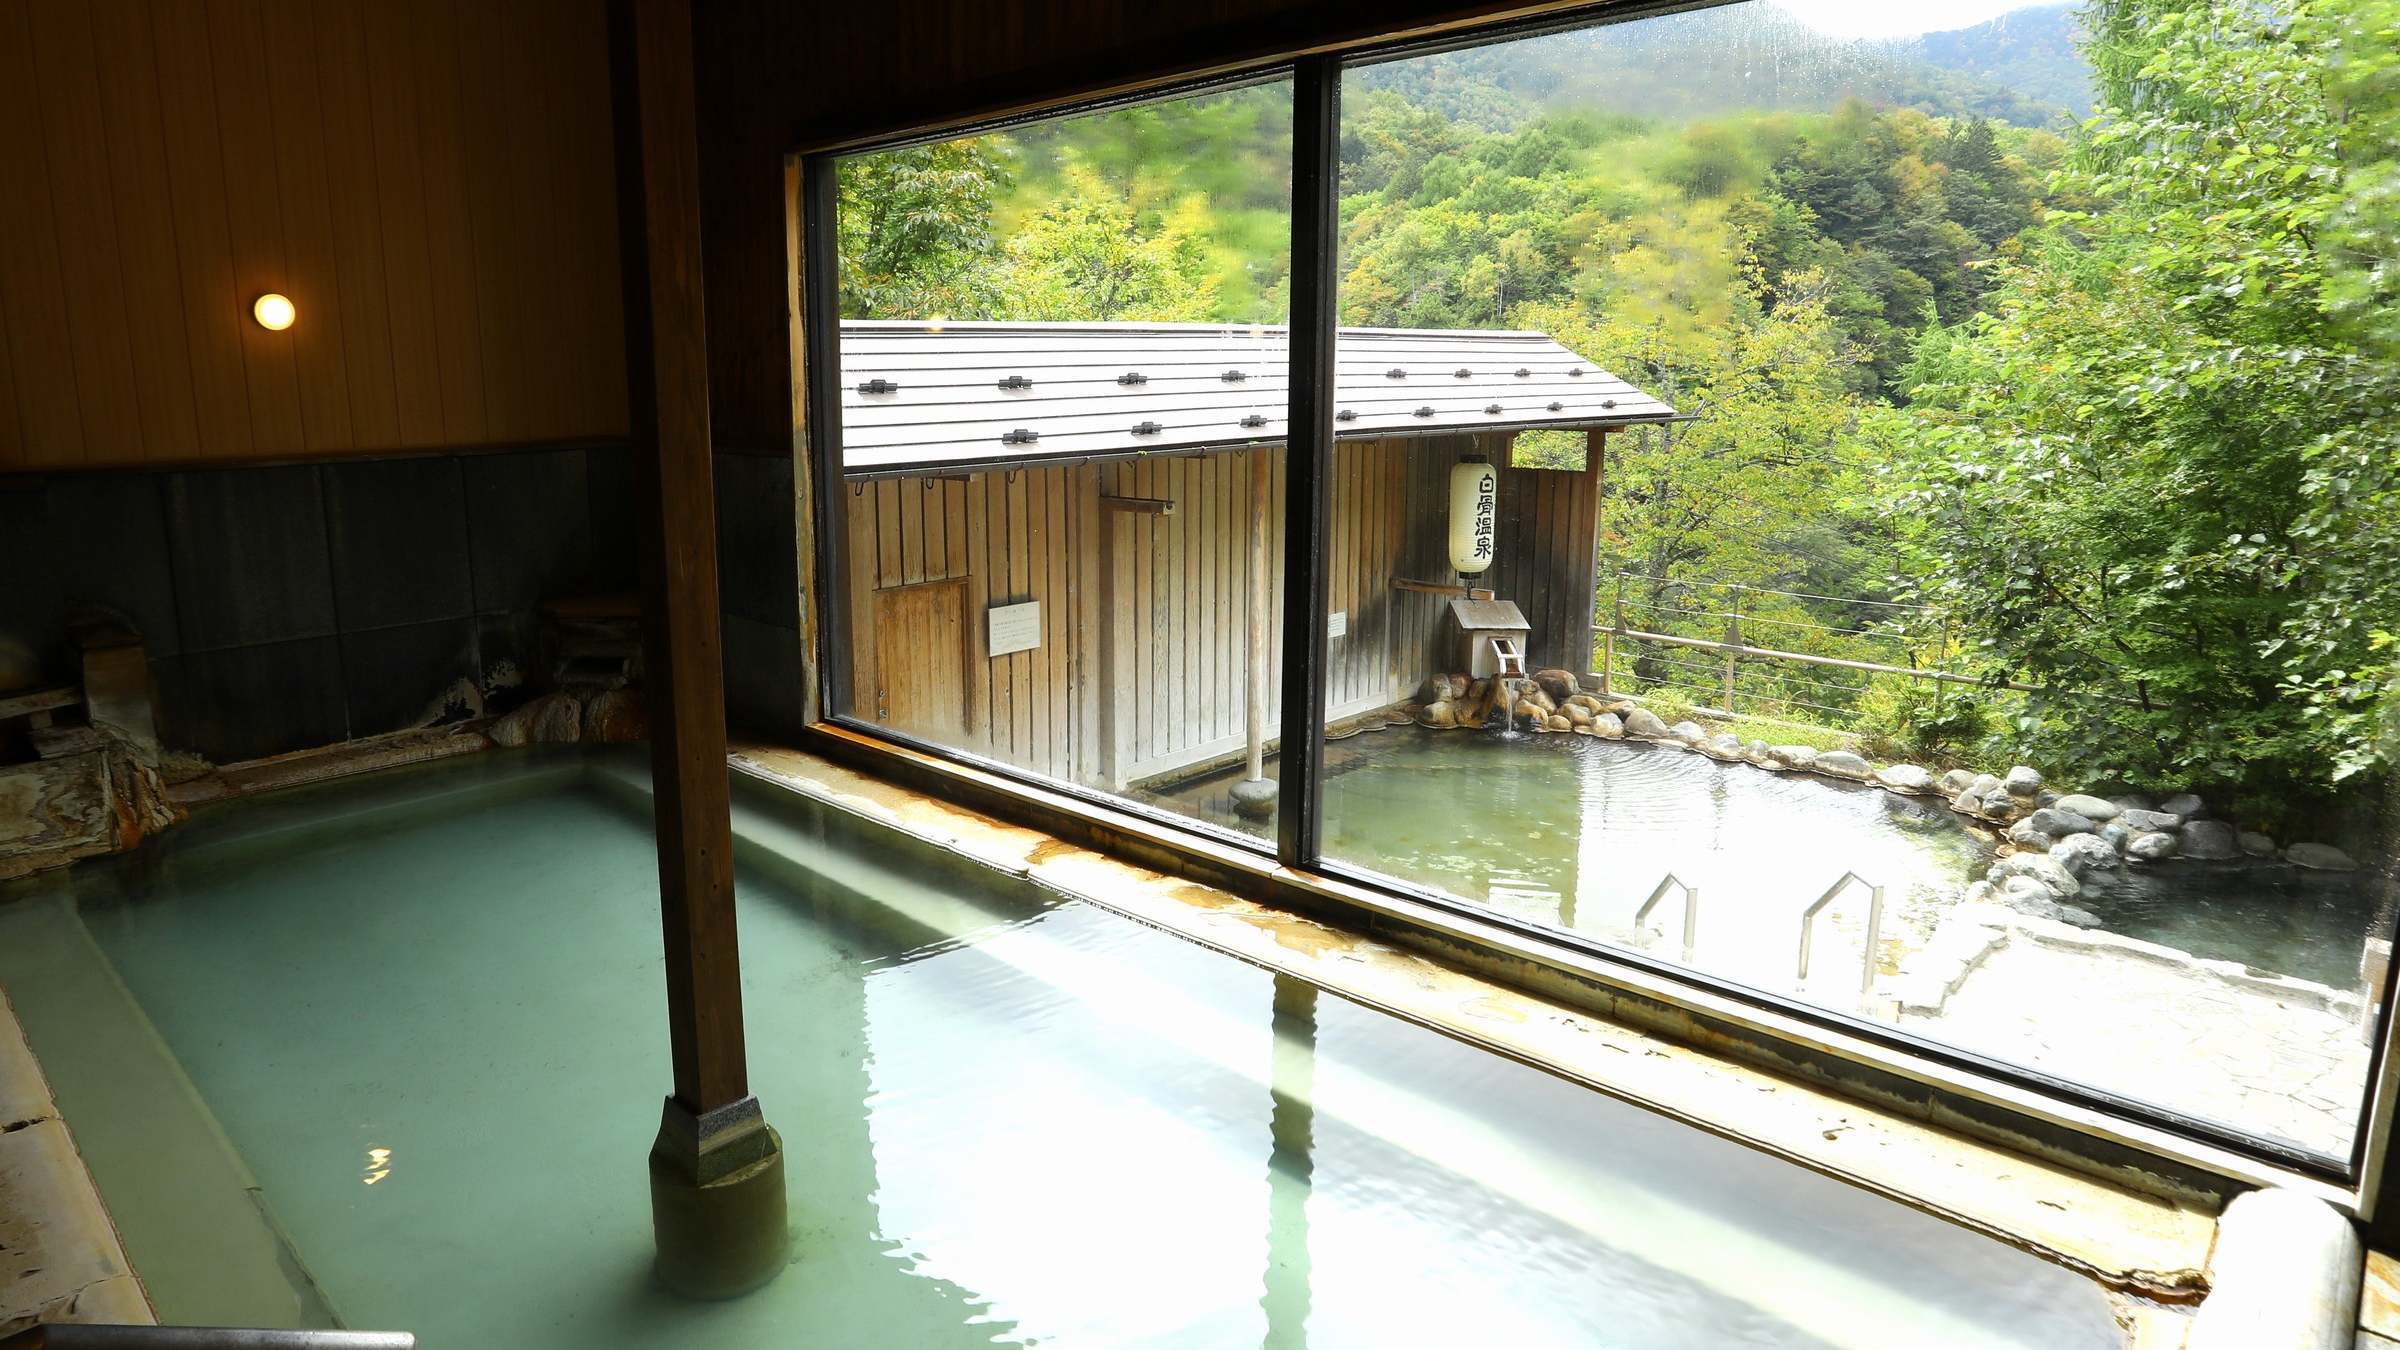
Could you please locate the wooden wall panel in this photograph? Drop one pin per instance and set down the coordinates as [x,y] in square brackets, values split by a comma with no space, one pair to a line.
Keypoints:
[1543,561]
[97,339]
[1545,538]
[254,220]
[432,49]
[1190,574]
[1011,538]
[1424,620]
[416,359]
[503,260]
[431,181]
[287,39]
[1143,663]
[214,310]
[583,165]
[148,263]
[11,434]
[353,218]
[33,299]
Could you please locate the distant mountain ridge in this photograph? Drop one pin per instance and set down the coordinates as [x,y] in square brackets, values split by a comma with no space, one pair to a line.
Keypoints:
[2030,51]
[2022,68]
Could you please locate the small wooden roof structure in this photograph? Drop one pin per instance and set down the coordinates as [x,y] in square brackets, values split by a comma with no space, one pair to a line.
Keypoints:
[1488,616]
[921,398]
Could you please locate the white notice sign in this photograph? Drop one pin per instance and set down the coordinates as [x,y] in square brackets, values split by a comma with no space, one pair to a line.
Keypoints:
[1014,628]
[1339,624]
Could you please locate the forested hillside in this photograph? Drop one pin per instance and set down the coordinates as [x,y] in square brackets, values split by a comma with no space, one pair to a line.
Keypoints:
[1736,59]
[2036,52]
[2115,397]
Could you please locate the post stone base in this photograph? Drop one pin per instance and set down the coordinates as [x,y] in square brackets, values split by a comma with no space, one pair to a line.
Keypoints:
[1255,798]
[716,1200]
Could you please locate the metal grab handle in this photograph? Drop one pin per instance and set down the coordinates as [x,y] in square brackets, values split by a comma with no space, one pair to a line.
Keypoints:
[1808,923]
[104,1336]
[1691,910]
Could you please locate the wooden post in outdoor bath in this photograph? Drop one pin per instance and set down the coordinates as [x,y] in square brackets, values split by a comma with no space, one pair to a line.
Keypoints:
[1254,796]
[716,1168]
[1595,468]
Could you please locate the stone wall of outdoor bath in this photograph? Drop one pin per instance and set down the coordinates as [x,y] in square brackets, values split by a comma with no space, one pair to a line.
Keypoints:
[2048,840]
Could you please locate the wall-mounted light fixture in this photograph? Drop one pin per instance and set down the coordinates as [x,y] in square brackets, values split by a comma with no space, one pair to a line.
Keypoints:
[274,312]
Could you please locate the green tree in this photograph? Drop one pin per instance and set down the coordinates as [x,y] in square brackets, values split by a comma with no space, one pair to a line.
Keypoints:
[1765,459]
[2341,645]
[2135,474]
[1231,150]
[915,230]
[1910,213]
[1090,254]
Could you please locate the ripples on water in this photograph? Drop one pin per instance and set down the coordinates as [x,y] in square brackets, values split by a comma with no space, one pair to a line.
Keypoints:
[1194,1152]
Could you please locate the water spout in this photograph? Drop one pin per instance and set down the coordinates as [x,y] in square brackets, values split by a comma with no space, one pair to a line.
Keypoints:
[1508,682]
[1506,728]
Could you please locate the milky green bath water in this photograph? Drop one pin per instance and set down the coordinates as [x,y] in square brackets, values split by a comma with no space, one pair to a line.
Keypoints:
[427,1015]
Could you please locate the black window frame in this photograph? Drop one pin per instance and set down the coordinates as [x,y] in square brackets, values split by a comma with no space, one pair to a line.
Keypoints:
[1296,844]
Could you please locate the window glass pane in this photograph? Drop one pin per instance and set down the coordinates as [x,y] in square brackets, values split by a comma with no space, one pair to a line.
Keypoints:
[1802,475]
[1063,405]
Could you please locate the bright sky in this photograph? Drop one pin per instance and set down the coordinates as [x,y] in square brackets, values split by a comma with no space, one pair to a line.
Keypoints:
[1897,18]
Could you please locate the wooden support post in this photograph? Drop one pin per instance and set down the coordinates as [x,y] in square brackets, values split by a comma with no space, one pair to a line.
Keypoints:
[1608,643]
[716,1169]
[1254,796]
[1733,645]
[1262,604]
[1941,658]
[1595,468]
[1119,722]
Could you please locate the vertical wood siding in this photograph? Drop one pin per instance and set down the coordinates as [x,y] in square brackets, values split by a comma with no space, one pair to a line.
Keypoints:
[432,183]
[1144,654]
[1543,561]
[1012,537]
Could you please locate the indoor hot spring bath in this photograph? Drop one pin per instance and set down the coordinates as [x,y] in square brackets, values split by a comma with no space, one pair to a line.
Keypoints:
[403,1030]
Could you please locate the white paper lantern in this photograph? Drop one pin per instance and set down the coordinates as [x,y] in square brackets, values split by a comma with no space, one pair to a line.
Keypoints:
[1474,516]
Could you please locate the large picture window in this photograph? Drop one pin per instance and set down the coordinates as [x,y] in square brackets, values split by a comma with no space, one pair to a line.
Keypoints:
[1062,379]
[1832,515]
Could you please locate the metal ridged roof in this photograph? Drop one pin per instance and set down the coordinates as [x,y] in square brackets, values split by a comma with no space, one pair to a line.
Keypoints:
[920,397]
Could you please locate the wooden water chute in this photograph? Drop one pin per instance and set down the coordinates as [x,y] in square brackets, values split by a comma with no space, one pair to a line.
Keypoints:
[1065,540]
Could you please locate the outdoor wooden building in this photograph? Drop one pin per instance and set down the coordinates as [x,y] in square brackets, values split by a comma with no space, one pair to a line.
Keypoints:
[1057,539]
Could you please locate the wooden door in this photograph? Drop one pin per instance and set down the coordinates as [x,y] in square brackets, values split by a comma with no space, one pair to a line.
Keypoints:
[921,659]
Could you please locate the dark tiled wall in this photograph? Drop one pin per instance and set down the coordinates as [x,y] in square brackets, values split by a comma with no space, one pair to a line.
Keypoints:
[287,607]
[759,584]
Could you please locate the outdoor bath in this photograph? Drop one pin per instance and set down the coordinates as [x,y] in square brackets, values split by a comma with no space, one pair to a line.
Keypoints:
[1574,832]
